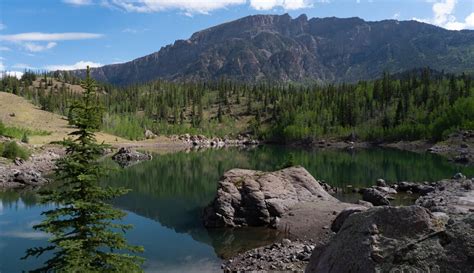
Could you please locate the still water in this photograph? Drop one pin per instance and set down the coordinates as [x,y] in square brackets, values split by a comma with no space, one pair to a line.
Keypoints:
[169,193]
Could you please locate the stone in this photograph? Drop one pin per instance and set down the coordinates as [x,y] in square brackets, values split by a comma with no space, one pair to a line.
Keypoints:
[459,176]
[375,197]
[381,183]
[149,134]
[254,198]
[386,190]
[365,203]
[343,215]
[126,157]
[398,239]
[424,190]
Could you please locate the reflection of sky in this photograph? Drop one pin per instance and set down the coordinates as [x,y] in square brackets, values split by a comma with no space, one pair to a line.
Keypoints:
[165,250]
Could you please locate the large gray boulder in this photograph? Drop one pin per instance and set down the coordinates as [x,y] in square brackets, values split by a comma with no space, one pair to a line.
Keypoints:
[398,239]
[255,198]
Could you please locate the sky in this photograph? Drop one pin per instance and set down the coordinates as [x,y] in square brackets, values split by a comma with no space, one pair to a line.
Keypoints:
[71,34]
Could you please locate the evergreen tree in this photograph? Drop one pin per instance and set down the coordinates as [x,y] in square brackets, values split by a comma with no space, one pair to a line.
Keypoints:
[85,236]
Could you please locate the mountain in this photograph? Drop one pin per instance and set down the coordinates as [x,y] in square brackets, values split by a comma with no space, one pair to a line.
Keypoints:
[279,48]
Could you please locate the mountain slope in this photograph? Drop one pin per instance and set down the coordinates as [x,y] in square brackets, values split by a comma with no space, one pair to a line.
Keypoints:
[279,48]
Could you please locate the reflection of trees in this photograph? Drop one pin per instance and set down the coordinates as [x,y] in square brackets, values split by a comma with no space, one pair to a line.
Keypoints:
[28,197]
[173,189]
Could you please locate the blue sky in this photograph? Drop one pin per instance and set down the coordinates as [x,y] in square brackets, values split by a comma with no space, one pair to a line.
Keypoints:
[68,34]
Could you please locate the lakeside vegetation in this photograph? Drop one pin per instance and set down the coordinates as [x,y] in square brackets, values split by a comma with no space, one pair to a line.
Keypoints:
[419,104]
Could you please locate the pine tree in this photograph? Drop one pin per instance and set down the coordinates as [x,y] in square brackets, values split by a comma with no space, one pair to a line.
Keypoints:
[85,234]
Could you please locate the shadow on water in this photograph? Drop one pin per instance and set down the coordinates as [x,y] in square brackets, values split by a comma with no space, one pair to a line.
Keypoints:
[169,193]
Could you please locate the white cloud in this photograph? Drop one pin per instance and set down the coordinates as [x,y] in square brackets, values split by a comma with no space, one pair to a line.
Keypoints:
[2,66]
[78,2]
[39,36]
[78,65]
[2,26]
[29,40]
[4,48]
[34,47]
[190,6]
[443,16]
[134,31]
[443,11]
[285,4]
[396,16]
[23,66]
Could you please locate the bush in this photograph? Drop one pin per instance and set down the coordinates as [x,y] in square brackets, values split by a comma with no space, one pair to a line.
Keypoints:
[25,138]
[2,128]
[12,150]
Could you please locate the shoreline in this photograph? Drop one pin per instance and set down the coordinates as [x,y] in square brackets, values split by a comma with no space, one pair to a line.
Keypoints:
[457,148]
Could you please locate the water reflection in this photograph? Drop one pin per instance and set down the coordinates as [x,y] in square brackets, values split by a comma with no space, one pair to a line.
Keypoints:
[169,192]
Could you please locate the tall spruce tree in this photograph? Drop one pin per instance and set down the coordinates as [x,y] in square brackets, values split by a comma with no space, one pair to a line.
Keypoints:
[84,228]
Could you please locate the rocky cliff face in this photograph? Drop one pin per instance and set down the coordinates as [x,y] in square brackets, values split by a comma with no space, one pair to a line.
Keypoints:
[279,48]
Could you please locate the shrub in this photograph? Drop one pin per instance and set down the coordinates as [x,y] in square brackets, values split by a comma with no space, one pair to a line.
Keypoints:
[2,128]
[12,150]
[25,138]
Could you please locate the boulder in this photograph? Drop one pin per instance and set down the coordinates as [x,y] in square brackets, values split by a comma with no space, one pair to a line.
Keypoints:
[459,176]
[343,215]
[375,197]
[386,190]
[381,183]
[254,198]
[149,134]
[398,239]
[126,157]
[28,177]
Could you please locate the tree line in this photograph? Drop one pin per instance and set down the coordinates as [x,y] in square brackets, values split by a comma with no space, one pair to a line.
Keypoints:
[418,104]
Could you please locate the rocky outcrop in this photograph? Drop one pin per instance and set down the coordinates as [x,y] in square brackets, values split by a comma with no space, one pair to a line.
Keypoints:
[408,239]
[254,198]
[126,157]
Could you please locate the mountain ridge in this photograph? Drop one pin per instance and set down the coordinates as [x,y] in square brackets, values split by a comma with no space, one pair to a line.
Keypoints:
[280,48]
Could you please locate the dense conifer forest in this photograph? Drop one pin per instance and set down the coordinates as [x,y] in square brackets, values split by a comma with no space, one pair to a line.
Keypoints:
[419,104]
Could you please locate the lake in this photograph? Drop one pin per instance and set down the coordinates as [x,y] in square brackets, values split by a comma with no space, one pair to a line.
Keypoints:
[169,193]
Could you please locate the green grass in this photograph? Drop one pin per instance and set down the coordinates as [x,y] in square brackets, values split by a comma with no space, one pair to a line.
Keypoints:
[20,133]
[12,150]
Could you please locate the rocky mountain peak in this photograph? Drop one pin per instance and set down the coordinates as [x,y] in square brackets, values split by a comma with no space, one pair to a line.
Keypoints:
[280,48]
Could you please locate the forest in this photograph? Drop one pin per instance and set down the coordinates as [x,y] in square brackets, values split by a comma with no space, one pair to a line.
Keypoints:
[418,104]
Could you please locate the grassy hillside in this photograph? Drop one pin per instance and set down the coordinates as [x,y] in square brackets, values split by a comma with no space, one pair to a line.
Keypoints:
[17,112]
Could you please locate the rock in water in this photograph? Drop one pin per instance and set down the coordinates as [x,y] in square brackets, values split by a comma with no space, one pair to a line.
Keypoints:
[254,198]
[398,239]
[375,197]
[126,157]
